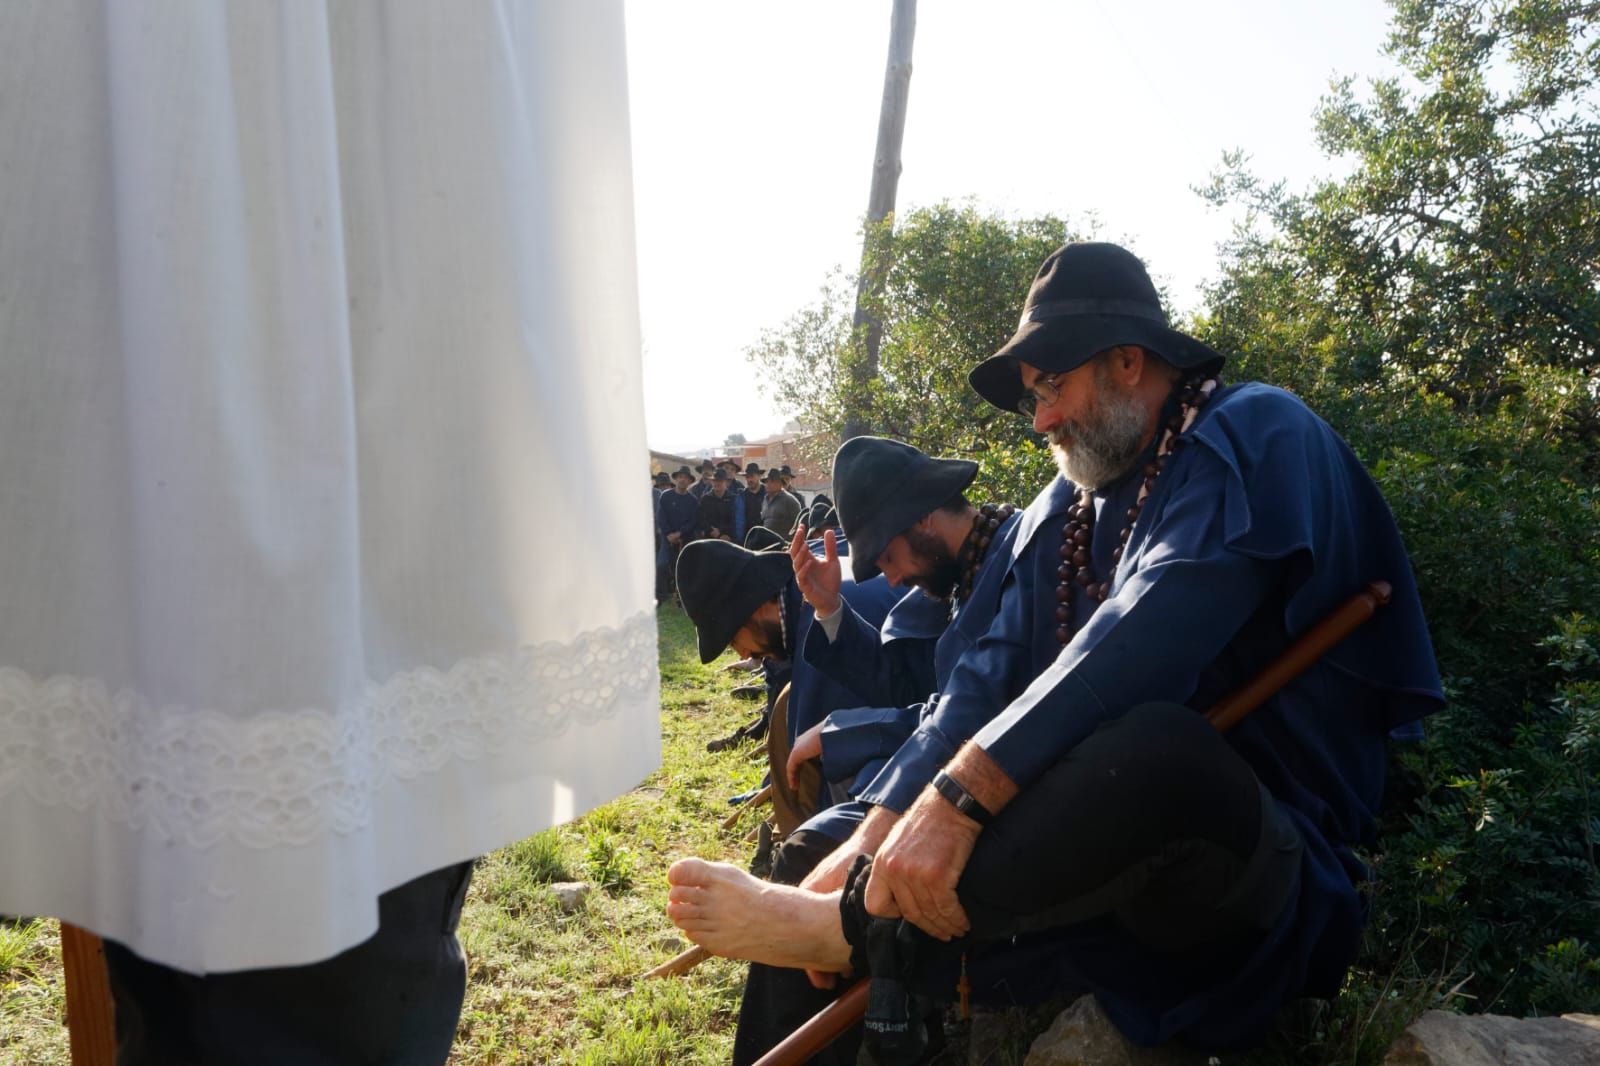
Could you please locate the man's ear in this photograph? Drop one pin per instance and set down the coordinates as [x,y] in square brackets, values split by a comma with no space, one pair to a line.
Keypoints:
[1128,365]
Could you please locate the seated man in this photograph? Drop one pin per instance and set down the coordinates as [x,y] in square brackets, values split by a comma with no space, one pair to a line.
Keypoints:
[972,574]
[1193,882]
[748,600]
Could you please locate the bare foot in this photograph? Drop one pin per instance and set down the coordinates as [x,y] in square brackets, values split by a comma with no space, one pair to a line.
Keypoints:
[730,913]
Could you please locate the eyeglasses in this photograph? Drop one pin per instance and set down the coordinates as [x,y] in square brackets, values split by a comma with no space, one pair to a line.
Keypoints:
[1042,393]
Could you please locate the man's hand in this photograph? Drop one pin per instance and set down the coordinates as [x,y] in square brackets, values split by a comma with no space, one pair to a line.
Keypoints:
[807,746]
[818,578]
[916,870]
[674,538]
[829,874]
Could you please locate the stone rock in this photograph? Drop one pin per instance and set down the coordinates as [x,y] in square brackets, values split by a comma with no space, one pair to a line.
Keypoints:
[570,894]
[1440,1038]
[670,943]
[1082,1035]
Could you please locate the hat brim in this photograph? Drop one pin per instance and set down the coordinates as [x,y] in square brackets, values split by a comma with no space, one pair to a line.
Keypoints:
[938,481]
[1057,345]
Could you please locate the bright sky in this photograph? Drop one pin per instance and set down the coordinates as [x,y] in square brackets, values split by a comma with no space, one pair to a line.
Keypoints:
[754,125]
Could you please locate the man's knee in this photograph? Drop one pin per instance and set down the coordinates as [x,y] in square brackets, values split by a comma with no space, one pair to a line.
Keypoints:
[799,855]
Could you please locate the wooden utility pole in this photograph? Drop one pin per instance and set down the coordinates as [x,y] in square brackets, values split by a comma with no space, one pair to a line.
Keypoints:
[880,205]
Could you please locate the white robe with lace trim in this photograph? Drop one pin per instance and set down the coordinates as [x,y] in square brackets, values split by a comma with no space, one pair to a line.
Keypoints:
[316,320]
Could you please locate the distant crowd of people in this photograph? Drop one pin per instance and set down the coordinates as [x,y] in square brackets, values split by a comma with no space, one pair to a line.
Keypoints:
[724,504]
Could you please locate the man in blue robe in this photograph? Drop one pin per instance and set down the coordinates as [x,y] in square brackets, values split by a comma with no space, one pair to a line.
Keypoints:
[748,600]
[1194,882]
[676,514]
[910,521]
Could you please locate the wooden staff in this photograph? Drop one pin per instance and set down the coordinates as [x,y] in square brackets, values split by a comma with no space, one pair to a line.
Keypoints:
[754,801]
[681,963]
[828,1024]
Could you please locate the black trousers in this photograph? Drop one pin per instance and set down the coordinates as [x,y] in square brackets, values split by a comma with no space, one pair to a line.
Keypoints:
[1153,825]
[395,998]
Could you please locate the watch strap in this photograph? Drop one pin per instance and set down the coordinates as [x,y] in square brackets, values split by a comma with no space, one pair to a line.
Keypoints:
[963,801]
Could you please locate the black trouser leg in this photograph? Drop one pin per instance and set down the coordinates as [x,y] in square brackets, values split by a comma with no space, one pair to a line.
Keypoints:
[394,998]
[1154,821]
[1152,829]
[778,1001]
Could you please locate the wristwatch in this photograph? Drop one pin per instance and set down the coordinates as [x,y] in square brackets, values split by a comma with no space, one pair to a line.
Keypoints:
[964,801]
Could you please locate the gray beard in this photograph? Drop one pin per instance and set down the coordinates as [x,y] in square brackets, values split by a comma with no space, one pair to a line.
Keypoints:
[1095,452]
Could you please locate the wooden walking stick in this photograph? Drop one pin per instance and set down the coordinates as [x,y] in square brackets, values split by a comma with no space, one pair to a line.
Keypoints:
[828,1024]
[750,804]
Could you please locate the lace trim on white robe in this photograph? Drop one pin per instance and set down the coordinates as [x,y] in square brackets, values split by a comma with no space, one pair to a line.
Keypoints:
[287,777]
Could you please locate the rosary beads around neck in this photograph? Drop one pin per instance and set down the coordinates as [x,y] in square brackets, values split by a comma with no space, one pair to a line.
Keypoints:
[1077,536]
[989,519]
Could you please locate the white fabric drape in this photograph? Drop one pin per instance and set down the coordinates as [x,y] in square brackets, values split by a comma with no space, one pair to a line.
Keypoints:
[322,564]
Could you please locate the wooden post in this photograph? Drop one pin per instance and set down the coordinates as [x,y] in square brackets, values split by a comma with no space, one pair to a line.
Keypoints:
[91,1027]
[880,201]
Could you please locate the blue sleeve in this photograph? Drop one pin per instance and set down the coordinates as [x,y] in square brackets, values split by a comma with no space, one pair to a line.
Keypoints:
[883,675]
[1164,624]
[855,736]
[985,679]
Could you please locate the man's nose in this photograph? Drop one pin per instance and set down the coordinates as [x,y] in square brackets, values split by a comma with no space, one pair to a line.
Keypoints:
[1046,417]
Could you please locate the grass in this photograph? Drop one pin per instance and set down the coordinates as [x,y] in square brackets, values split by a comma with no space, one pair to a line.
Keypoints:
[549,987]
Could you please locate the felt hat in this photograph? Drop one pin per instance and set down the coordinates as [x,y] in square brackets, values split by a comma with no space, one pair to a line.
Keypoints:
[720,475]
[661,478]
[704,465]
[722,585]
[683,471]
[1087,297]
[820,516]
[752,468]
[773,475]
[785,471]
[761,539]
[883,487]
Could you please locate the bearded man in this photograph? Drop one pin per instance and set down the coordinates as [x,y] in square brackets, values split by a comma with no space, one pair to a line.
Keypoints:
[972,573]
[747,600]
[1194,882]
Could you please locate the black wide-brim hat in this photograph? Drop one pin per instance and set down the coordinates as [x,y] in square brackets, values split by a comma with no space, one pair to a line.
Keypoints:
[752,468]
[722,585]
[882,488]
[683,471]
[762,539]
[1087,297]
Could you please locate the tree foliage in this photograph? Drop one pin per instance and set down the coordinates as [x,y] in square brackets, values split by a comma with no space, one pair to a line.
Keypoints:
[950,298]
[1440,305]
